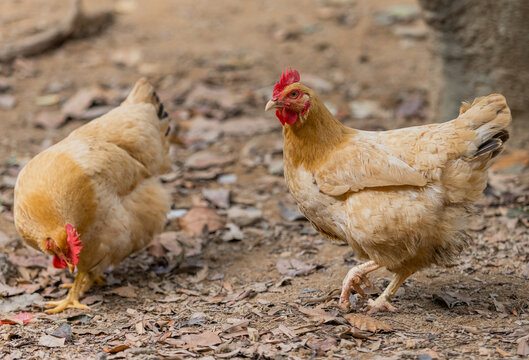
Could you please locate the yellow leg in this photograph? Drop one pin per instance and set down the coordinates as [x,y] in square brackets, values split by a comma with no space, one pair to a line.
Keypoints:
[99,280]
[382,302]
[72,299]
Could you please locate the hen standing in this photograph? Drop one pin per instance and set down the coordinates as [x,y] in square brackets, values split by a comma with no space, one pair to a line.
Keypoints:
[94,198]
[400,198]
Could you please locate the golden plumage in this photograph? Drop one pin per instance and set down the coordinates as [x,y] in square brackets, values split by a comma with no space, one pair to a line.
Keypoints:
[400,198]
[102,179]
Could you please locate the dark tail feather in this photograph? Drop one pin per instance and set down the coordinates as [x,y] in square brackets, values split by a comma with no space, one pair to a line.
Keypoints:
[494,146]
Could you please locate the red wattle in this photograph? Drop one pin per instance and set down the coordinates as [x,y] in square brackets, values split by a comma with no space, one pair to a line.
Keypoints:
[58,262]
[289,116]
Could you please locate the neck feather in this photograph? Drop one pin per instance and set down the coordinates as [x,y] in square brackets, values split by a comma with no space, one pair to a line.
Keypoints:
[309,141]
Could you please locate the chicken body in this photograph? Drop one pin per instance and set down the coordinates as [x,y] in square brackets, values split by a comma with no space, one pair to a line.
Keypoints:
[399,198]
[102,179]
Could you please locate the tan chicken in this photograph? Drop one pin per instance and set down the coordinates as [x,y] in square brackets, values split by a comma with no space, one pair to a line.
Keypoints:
[94,198]
[399,198]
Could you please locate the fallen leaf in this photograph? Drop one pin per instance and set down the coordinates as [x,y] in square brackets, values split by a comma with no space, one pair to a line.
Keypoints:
[205,159]
[503,352]
[63,331]
[523,347]
[233,233]
[19,302]
[124,291]
[244,216]
[51,341]
[447,300]
[365,322]
[321,346]
[116,349]
[199,218]
[6,290]
[29,261]
[50,119]
[319,315]
[80,101]
[207,338]
[218,197]
[294,267]
[20,319]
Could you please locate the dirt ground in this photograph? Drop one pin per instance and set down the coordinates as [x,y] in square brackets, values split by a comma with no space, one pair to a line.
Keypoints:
[264,286]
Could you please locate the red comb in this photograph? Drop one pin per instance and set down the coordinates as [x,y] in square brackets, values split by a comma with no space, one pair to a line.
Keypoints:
[288,77]
[74,245]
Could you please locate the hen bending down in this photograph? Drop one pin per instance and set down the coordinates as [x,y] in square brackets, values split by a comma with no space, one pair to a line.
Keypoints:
[400,198]
[94,198]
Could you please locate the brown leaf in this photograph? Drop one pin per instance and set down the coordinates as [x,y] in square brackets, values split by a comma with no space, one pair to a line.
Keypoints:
[365,322]
[167,245]
[80,101]
[294,267]
[51,341]
[6,290]
[218,197]
[317,314]
[523,347]
[198,218]
[503,352]
[321,346]
[205,159]
[50,119]
[124,291]
[31,261]
[207,338]
[116,349]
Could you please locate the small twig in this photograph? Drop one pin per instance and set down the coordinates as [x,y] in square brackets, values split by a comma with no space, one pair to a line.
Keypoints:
[75,24]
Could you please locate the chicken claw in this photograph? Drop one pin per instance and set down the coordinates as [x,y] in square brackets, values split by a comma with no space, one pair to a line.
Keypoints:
[72,299]
[380,304]
[355,278]
[63,304]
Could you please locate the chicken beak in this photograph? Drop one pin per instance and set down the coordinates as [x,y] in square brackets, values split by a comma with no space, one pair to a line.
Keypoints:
[270,105]
[71,267]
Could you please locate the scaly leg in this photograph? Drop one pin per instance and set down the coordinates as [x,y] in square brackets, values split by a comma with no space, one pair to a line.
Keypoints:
[355,278]
[72,299]
[382,302]
[99,280]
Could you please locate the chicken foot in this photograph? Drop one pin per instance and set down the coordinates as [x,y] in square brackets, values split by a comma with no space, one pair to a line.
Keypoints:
[382,302]
[355,278]
[72,299]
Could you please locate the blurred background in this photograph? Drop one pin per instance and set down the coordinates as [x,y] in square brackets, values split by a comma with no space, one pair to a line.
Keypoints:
[377,64]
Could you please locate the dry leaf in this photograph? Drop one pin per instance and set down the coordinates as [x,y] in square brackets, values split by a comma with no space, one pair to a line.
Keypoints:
[20,319]
[50,119]
[51,341]
[207,338]
[124,291]
[503,352]
[116,349]
[321,346]
[294,267]
[523,347]
[318,314]
[365,322]
[198,218]
[80,101]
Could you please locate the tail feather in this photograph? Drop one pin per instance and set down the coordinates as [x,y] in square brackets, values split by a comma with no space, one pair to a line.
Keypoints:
[143,92]
[488,117]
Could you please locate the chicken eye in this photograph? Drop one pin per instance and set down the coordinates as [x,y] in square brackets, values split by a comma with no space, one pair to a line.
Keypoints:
[293,94]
